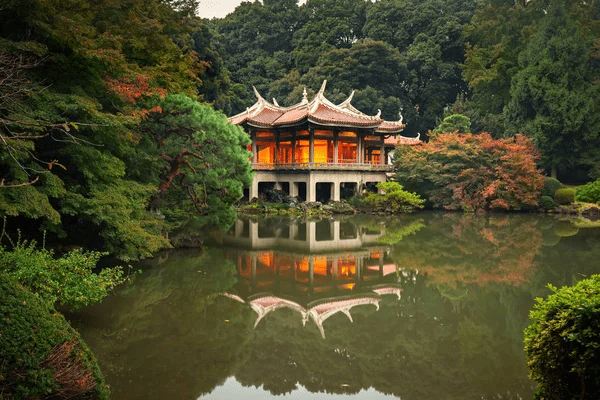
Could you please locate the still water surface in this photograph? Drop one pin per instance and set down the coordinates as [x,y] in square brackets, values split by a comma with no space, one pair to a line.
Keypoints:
[428,306]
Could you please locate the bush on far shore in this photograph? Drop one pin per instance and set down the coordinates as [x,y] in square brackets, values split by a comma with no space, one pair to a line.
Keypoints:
[564,196]
[562,344]
[589,193]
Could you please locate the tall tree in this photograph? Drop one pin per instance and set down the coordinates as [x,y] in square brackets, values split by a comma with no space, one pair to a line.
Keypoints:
[552,97]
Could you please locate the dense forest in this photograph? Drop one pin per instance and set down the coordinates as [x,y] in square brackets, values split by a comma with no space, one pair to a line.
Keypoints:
[112,114]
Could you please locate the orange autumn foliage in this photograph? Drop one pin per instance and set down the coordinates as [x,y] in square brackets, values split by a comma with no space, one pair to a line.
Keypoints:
[473,172]
[130,90]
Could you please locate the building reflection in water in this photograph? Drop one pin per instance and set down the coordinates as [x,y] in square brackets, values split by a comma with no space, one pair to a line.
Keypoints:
[315,268]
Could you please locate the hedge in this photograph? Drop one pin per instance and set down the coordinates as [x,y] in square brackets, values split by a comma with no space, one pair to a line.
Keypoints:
[562,344]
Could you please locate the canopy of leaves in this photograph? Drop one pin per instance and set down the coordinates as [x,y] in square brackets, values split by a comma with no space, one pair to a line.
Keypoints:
[398,55]
[472,172]
[201,158]
[75,77]
[551,96]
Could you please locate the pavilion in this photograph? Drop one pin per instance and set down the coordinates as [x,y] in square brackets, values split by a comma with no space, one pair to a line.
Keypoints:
[318,150]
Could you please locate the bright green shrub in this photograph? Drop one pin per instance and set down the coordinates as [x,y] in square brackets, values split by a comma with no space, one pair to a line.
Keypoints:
[551,185]
[546,202]
[564,196]
[393,199]
[563,342]
[589,193]
[67,281]
[42,356]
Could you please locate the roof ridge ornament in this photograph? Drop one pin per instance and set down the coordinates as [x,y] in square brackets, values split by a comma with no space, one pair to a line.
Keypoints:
[378,113]
[349,99]
[258,96]
[304,96]
[401,117]
[275,102]
[322,90]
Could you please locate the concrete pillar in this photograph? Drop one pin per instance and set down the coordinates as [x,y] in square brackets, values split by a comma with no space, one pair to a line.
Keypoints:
[253,192]
[335,196]
[382,157]
[311,189]
[293,189]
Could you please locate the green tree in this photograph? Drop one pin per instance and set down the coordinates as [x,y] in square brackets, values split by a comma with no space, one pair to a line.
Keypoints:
[454,123]
[202,159]
[552,96]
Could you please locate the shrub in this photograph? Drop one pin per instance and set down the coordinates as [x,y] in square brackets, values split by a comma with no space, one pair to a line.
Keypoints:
[42,356]
[564,196]
[472,172]
[67,281]
[393,199]
[589,193]
[546,202]
[563,341]
[551,185]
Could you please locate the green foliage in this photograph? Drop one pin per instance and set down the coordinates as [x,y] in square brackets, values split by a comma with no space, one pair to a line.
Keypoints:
[202,159]
[42,356]
[454,123]
[472,172]
[67,281]
[547,203]
[551,185]
[589,193]
[551,98]
[564,196]
[393,199]
[397,55]
[563,340]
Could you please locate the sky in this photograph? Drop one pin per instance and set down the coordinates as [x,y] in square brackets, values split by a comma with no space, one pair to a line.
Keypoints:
[218,8]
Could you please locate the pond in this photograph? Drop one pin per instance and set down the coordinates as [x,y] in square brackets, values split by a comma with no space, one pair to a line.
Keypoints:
[426,306]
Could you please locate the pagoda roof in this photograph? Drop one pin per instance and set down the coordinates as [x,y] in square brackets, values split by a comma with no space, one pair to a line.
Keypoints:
[319,110]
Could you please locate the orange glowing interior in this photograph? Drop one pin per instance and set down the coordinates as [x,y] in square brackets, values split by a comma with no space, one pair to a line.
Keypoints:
[302,151]
[323,150]
[265,152]
[346,152]
[284,155]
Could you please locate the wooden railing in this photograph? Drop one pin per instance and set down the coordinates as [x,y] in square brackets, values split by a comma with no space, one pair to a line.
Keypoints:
[351,166]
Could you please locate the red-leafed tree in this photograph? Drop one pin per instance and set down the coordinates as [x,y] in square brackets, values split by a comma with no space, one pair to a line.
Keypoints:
[472,172]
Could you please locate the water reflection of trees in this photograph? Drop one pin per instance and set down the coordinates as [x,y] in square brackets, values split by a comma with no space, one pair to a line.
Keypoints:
[456,332]
[457,249]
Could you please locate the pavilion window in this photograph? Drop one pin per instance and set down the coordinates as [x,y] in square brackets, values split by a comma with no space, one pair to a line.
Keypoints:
[302,150]
[375,156]
[284,155]
[347,152]
[265,153]
[323,150]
